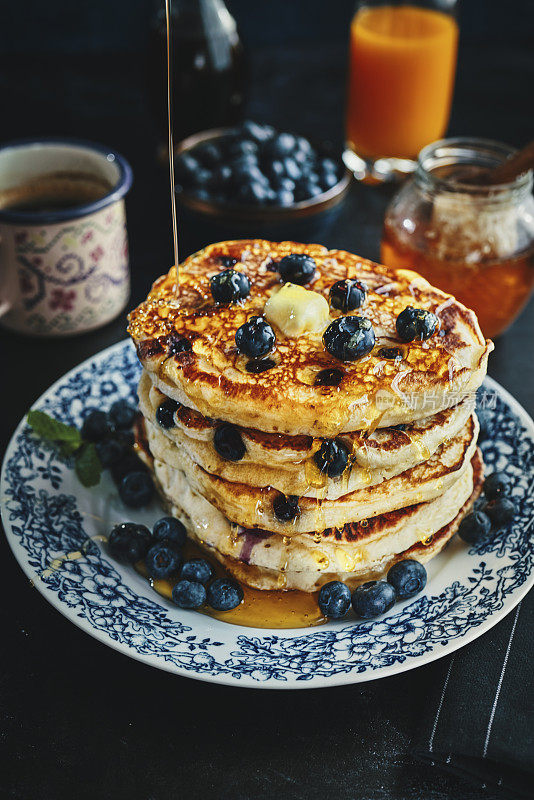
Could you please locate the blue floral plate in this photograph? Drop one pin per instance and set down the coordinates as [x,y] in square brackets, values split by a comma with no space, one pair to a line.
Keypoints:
[53,525]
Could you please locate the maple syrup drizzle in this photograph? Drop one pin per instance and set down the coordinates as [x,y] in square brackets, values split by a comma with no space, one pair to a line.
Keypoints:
[171,142]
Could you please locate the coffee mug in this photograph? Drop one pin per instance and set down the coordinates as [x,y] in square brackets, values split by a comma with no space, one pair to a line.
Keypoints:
[63,242]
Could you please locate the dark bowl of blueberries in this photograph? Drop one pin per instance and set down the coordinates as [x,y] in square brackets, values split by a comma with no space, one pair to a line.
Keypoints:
[255,182]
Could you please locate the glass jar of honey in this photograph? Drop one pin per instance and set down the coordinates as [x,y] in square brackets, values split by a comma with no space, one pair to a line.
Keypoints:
[466,236]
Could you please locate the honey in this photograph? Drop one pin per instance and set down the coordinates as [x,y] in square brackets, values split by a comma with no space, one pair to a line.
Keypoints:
[314,476]
[465,236]
[495,288]
[259,609]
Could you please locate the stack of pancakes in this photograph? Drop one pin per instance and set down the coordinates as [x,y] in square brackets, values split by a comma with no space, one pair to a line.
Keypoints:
[404,412]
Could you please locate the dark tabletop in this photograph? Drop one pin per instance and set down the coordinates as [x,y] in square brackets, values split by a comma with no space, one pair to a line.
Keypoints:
[77,718]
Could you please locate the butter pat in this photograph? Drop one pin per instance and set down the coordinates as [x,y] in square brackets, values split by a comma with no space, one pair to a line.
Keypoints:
[296,310]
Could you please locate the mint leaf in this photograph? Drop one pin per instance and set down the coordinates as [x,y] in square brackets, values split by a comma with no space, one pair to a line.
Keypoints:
[48,427]
[87,465]
[66,449]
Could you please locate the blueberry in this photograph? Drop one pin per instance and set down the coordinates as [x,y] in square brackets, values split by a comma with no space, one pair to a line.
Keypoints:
[130,462]
[122,414]
[255,338]
[303,146]
[416,323]
[332,457]
[479,503]
[347,295]
[277,171]
[202,177]
[372,599]
[400,427]
[186,167]
[224,594]
[311,175]
[125,437]
[241,164]
[308,171]
[256,366]
[292,169]
[282,145]
[110,451]
[349,338]
[284,198]
[209,154]
[96,426]
[189,594]
[228,442]
[163,559]
[202,194]
[307,189]
[474,527]
[177,344]
[136,489]
[329,377]
[283,184]
[496,485]
[165,413]
[334,599]
[301,157]
[501,511]
[328,165]
[407,577]
[286,509]
[129,542]
[171,529]
[229,286]
[329,180]
[244,171]
[297,268]
[256,193]
[391,353]
[198,570]
[259,133]
[220,176]
[243,147]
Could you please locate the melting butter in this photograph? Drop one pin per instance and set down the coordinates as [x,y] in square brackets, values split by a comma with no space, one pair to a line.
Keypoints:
[296,310]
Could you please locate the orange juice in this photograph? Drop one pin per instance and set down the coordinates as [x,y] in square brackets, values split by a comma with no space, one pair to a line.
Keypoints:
[402,65]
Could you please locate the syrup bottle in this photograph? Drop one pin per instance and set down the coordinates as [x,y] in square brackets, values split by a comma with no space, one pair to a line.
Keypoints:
[207,69]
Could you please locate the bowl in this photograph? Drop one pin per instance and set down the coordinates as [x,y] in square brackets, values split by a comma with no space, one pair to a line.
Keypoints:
[202,222]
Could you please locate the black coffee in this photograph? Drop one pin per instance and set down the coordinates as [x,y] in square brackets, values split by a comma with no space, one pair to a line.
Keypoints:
[55,192]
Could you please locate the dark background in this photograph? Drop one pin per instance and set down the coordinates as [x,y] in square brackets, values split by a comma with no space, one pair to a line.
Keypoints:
[78,719]
[111,26]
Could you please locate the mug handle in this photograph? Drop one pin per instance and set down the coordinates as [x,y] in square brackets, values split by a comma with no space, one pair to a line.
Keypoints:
[5,303]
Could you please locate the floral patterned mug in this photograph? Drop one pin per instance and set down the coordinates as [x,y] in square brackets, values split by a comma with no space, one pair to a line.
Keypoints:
[63,269]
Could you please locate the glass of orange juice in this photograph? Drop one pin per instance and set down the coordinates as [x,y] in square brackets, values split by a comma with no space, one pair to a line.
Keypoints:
[401,79]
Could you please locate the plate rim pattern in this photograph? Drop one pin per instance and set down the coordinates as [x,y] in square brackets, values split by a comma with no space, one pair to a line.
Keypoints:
[43,521]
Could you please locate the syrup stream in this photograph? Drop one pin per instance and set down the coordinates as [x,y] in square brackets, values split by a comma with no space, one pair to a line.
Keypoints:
[171,143]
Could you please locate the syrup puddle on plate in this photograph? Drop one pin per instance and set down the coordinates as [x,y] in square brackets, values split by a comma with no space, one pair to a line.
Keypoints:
[259,609]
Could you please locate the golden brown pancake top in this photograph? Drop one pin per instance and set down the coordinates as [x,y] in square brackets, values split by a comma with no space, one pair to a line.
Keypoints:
[214,361]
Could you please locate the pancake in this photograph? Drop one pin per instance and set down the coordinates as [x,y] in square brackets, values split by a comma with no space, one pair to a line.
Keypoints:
[261,578]
[252,507]
[267,460]
[268,560]
[374,391]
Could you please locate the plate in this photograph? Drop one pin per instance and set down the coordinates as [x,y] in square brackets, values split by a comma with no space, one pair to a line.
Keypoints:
[52,524]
